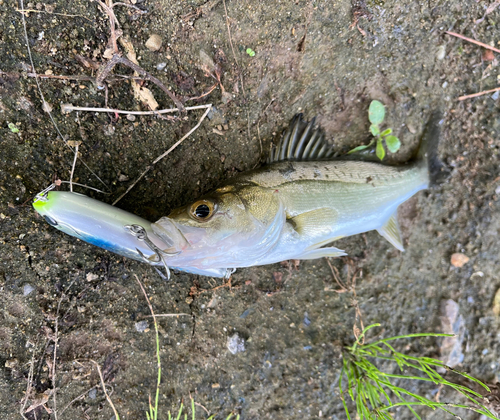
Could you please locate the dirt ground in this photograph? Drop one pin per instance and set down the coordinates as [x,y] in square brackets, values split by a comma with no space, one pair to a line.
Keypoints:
[324,58]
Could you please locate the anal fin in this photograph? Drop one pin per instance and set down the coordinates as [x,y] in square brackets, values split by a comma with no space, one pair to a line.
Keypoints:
[391,232]
[320,253]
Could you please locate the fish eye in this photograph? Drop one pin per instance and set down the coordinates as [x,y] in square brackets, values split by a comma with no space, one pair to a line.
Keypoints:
[202,210]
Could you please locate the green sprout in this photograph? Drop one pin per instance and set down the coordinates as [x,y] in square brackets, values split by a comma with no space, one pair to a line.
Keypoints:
[152,413]
[250,52]
[193,414]
[13,128]
[375,393]
[376,115]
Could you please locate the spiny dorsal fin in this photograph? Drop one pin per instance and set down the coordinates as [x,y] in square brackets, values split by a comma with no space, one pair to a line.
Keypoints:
[301,141]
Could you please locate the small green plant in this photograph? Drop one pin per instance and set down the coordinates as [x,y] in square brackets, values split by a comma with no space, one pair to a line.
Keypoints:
[375,392]
[152,413]
[376,115]
[193,414]
[250,52]
[13,128]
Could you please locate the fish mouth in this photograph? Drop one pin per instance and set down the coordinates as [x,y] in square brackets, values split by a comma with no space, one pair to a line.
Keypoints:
[166,229]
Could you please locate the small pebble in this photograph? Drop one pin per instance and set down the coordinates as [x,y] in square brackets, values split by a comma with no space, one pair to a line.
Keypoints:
[459,260]
[141,326]
[497,190]
[93,394]
[496,303]
[306,321]
[441,52]
[154,42]
[161,66]
[236,344]
[495,95]
[27,289]
[452,322]
[91,276]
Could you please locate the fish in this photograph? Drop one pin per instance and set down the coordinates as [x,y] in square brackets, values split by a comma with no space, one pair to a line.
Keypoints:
[297,205]
[293,207]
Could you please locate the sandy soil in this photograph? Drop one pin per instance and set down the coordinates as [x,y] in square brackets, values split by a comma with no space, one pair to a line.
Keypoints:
[324,58]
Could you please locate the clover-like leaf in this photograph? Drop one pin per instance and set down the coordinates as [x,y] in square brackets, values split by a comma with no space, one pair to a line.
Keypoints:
[376,112]
[393,143]
[380,151]
[375,130]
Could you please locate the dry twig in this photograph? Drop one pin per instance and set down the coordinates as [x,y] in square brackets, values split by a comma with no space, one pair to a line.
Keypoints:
[148,168]
[24,401]
[350,287]
[473,41]
[27,11]
[475,95]
[67,108]
[103,386]
[42,97]
[232,48]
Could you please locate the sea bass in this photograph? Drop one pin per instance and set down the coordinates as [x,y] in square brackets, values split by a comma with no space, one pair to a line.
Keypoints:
[295,206]
[292,208]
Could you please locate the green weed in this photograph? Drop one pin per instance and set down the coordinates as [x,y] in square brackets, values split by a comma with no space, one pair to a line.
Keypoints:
[13,128]
[375,393]
[152,413]
[193,414]
[376,116]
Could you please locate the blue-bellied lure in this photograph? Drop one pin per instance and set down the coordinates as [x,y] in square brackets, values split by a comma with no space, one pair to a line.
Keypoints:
[110,228]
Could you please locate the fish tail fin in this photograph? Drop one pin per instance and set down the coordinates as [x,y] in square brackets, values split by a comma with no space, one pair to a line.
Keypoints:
[427,151]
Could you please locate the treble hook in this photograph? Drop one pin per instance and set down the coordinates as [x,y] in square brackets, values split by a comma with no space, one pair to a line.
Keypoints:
[42,195]
[140,233]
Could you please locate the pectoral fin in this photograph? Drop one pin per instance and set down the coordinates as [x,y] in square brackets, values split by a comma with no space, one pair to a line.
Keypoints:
[314,223]
[320,253]
[391,232]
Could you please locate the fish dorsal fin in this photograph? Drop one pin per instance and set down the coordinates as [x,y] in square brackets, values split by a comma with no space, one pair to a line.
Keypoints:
[302,140]
[391,232]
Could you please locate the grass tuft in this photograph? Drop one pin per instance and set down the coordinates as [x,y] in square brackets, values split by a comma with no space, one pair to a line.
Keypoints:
[375,393]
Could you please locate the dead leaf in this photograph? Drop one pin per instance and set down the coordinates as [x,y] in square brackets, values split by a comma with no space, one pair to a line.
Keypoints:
[47,107]
[145,96]
[141,93]
[488,55]
[40,399]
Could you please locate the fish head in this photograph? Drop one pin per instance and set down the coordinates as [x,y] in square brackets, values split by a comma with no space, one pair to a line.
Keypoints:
[227,222]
